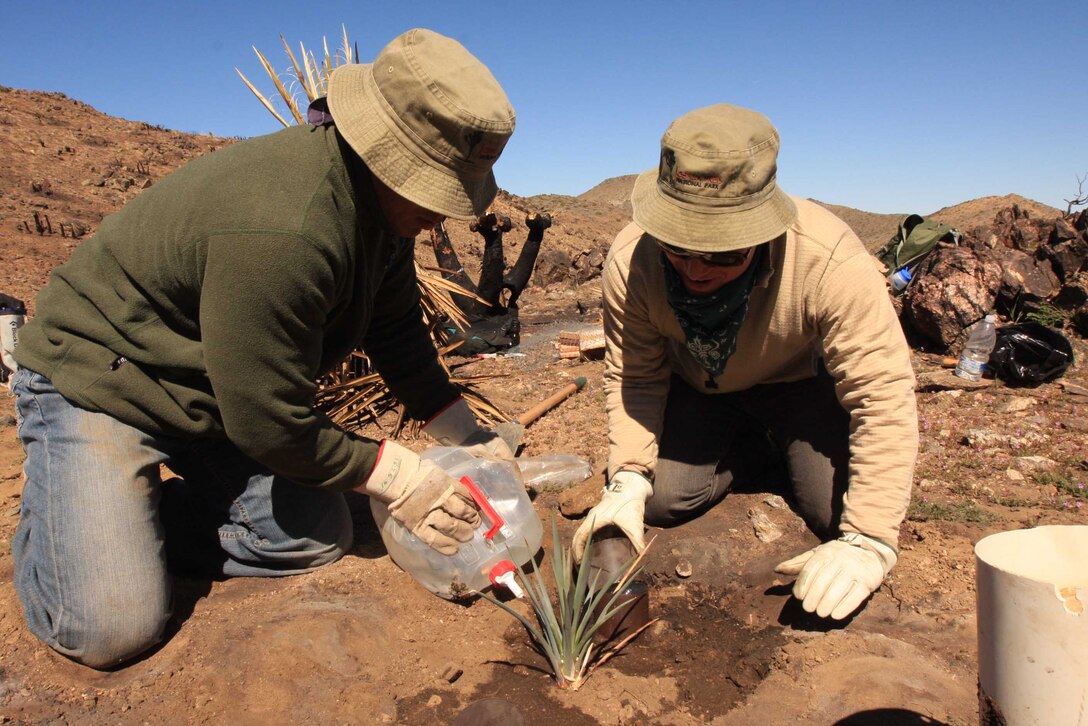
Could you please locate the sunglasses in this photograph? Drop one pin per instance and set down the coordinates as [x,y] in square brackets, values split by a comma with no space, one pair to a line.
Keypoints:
[718,259]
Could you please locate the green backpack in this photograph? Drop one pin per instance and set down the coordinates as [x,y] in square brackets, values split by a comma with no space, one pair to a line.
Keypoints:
[916,238]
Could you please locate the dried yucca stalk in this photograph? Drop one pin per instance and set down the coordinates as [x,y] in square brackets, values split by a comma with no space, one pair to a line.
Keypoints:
[312,76]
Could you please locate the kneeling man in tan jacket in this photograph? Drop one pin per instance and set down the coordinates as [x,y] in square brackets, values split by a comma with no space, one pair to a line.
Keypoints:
[738,317]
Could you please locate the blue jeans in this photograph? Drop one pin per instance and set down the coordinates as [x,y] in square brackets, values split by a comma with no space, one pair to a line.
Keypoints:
[99,524]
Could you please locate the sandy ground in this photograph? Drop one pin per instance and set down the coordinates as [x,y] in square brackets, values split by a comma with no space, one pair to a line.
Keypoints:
[361,642]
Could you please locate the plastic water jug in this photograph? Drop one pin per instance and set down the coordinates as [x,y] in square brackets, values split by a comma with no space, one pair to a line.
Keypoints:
[509,533]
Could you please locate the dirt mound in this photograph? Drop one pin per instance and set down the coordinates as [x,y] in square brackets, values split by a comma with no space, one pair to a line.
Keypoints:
[63,167]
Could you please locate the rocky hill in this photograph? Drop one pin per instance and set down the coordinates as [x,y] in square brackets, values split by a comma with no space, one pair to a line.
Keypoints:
[65,165]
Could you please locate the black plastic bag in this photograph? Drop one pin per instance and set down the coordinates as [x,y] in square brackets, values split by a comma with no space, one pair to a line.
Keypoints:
[1030,353]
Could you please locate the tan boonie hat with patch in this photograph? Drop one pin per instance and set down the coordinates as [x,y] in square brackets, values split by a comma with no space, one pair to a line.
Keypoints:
[715,188]
[428,119]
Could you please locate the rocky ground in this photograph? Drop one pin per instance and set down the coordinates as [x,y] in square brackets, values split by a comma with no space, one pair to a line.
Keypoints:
[361,642]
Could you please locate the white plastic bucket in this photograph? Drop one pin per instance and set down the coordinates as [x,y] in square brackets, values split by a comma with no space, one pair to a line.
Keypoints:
[1033,627]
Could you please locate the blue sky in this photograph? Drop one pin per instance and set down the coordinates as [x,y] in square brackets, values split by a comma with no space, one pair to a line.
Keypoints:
[886,107]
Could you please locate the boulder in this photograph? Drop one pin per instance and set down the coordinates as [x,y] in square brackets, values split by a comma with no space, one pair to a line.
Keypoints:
[551,266]
[1016,228]
[1068,255]
[956,286]
[1026,281]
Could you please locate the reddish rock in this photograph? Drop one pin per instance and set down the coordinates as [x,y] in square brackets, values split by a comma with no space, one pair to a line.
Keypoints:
[956,287]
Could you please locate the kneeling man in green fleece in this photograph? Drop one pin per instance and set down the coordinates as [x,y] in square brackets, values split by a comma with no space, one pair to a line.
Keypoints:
[189,332]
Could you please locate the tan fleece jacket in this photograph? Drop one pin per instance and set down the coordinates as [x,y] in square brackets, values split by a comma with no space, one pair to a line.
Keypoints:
[819,295]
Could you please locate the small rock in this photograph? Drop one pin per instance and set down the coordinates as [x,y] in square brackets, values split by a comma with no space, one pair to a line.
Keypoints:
[1075,424]
[1035,463]
[1013,475]
[576,501]
[1015,404]
[683,568]
[775,502]
[765,529]
[451,672]
[434,701]
[987,439]
[520,670]
[1074,389]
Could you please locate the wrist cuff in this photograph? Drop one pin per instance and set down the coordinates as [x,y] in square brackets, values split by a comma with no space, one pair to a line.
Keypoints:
[631,484]
[395,466]
[886,554]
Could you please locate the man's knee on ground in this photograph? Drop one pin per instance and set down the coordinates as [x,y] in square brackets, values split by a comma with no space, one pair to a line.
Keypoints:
[326,554]
[113,630]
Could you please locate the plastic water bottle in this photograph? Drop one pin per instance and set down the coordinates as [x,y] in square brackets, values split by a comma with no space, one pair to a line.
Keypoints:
[557,470]
[508,536]
[900,280]
[976,351]
[12,316]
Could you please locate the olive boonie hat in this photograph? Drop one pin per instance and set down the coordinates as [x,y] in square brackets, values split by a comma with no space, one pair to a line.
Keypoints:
[428,119]
[714,189]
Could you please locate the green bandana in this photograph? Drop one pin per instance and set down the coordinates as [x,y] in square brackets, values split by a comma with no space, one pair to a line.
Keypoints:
[711,322]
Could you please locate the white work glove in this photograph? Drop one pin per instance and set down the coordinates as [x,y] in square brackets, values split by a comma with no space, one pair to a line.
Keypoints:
[834,578]
[456,425]
[430,503]
[623,504]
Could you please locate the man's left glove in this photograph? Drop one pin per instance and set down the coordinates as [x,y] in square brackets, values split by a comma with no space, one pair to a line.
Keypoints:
[834,578]
[455,425]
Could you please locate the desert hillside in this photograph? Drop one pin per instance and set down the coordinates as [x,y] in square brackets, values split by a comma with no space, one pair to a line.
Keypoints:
[64,166]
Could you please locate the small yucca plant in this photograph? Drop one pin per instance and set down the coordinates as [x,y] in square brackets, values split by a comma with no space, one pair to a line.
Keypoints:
[564,632]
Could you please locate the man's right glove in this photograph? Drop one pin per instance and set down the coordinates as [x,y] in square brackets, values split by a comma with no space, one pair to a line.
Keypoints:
[622,504]
[834,578]
[430,503]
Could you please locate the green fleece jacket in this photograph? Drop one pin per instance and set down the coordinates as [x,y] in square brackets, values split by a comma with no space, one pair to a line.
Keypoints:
[209,305]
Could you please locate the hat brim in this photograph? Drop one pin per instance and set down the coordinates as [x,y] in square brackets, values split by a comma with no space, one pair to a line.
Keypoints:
[362,118]
[705,229]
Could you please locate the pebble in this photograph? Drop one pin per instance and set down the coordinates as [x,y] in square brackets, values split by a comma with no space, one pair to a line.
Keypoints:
[1035,463]
[765,529]
[451,672]
[1016,404]
[683,568]
[775,502]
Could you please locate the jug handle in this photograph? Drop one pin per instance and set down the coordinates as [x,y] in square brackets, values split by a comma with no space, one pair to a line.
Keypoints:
[493,517]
